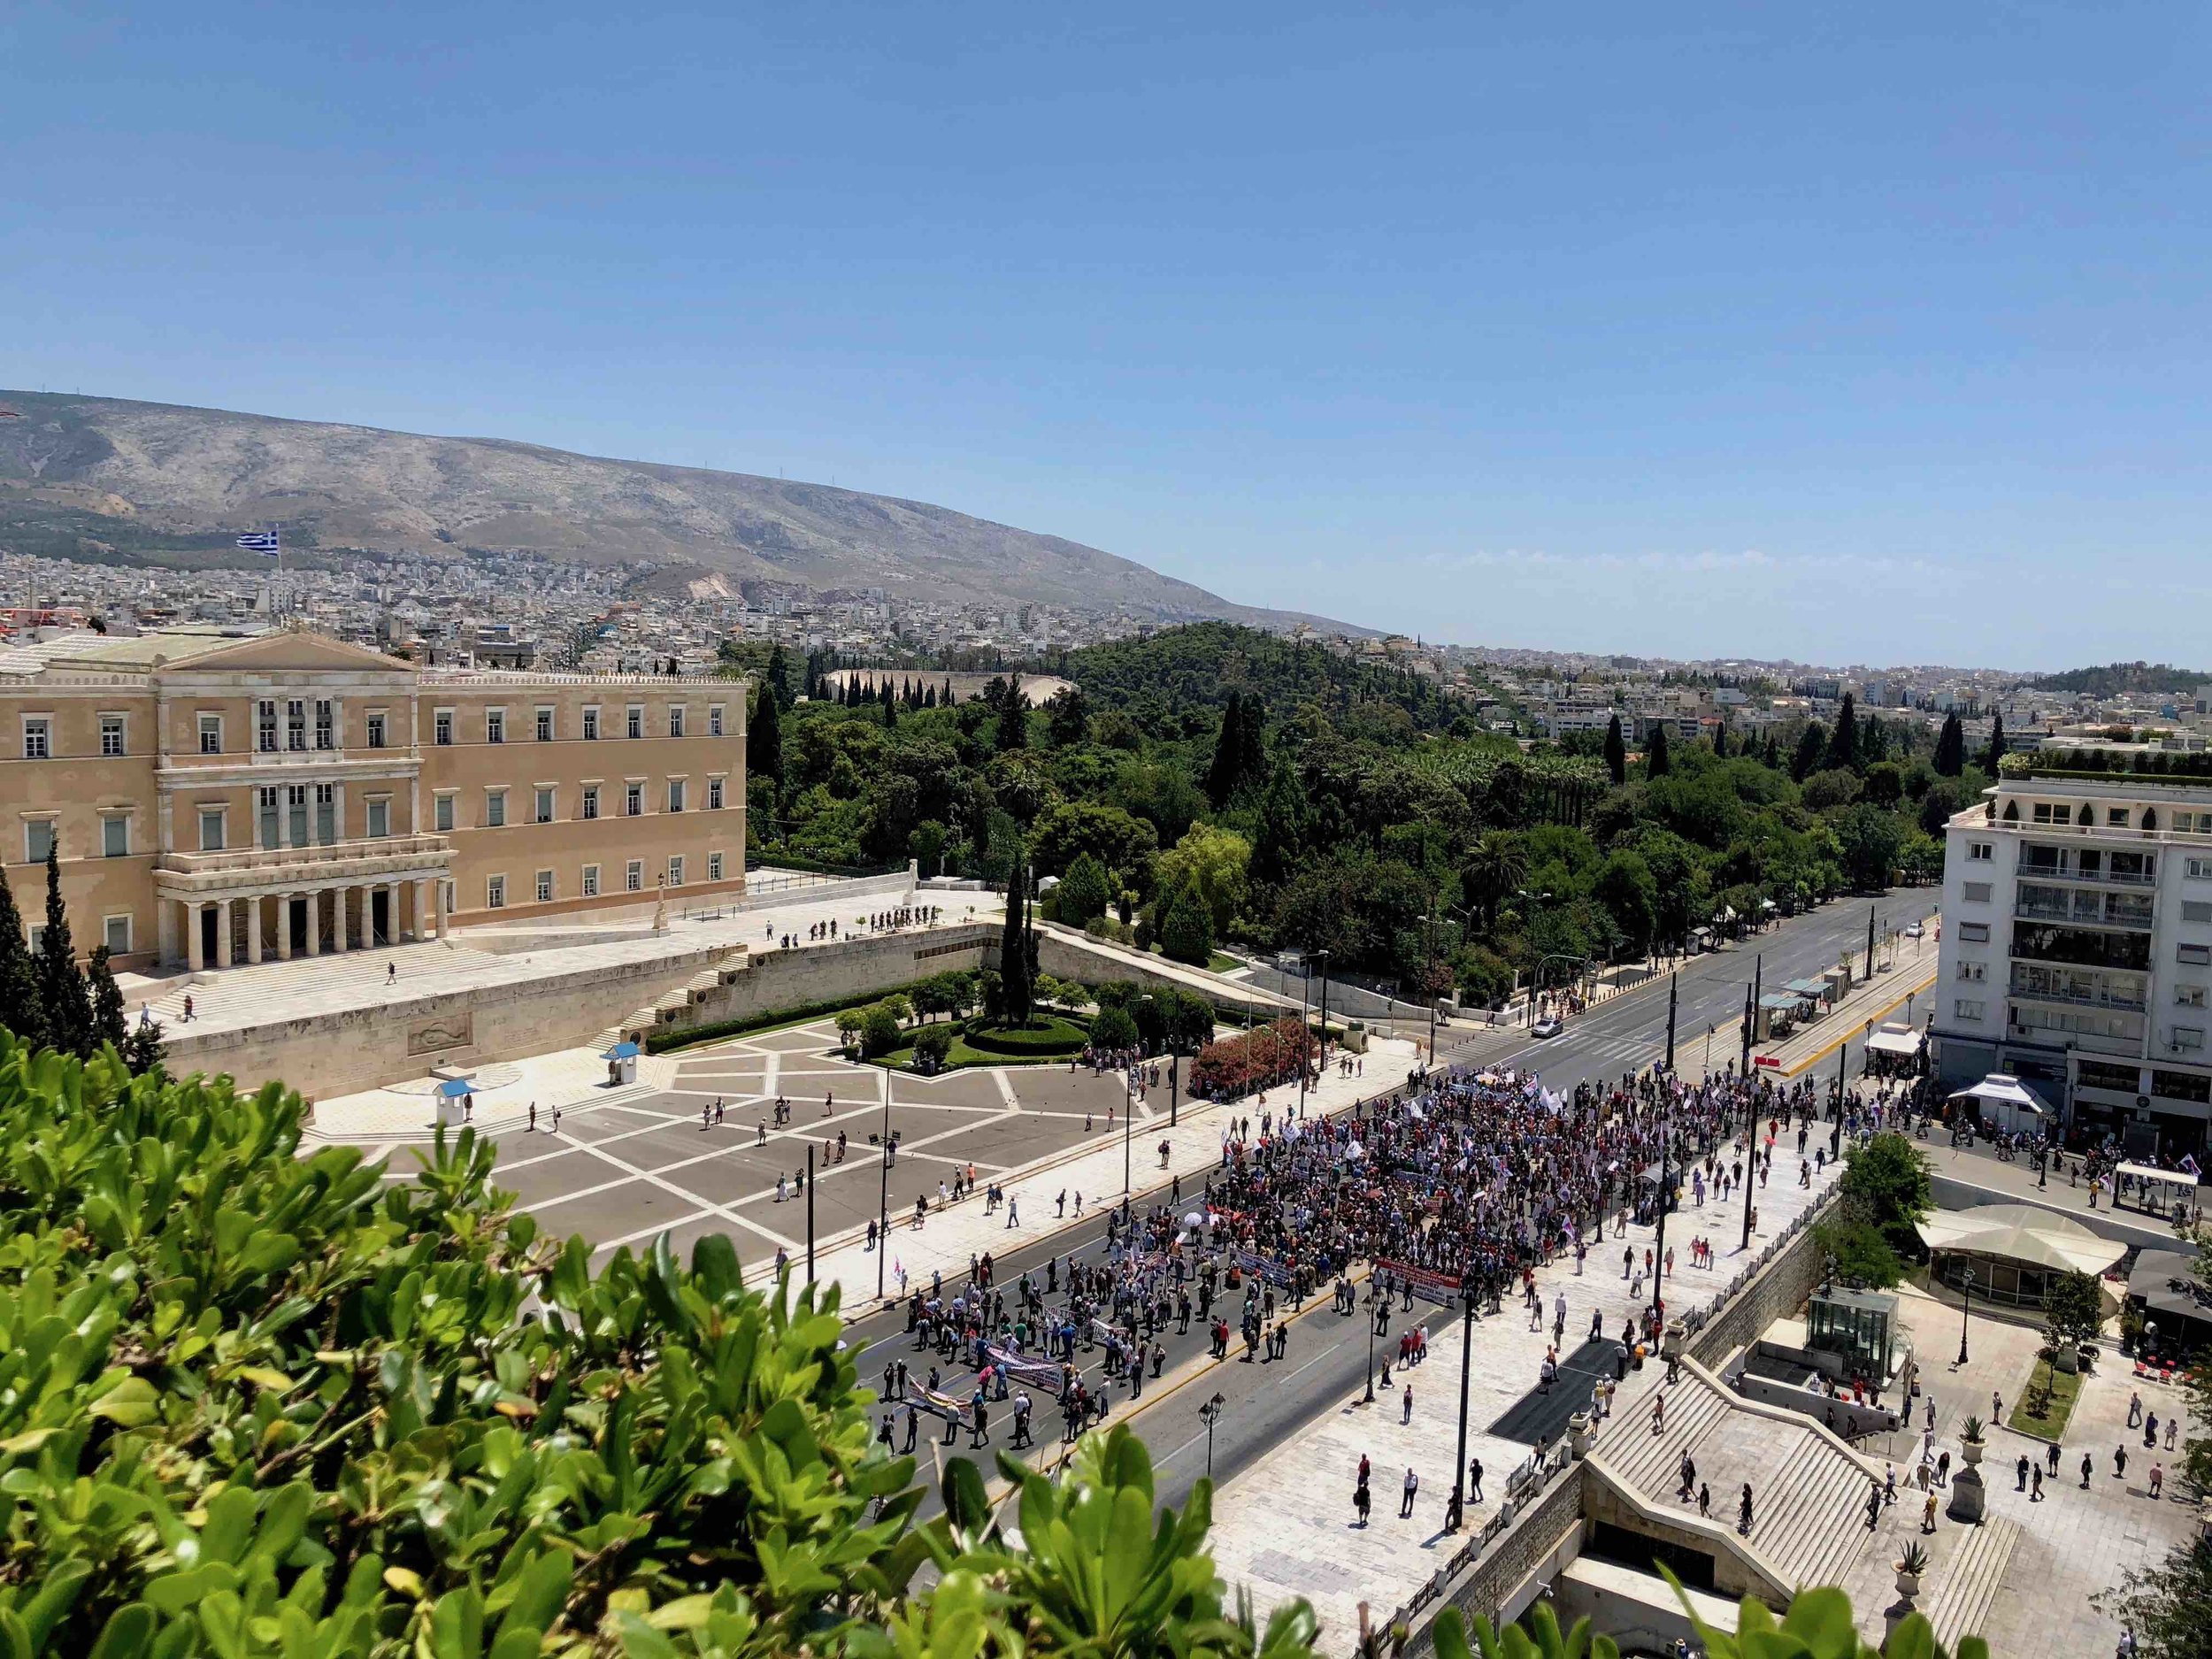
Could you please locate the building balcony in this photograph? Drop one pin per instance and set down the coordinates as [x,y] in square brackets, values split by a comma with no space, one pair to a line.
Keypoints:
[2093,878]
[2119,1002]
[241,871]
[2138,919]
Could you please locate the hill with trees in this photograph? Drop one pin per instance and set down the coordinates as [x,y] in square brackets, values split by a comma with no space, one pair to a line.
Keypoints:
[2114,679]
[1213,785]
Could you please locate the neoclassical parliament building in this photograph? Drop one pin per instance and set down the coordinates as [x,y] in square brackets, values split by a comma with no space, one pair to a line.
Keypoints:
[218,795]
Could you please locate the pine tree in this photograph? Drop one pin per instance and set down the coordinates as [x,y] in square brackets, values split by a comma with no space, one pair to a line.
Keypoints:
[1615,752]
[1873,740]
[1251,745]
[21,1009]
[1843,743]
[1656,758]
[108,1025]
[764,739]
[1996,744]
[61,987]
[778,672]
[1771,757]
[1283,816]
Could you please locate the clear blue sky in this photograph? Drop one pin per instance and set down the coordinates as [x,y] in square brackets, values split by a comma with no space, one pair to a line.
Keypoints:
[1877,333]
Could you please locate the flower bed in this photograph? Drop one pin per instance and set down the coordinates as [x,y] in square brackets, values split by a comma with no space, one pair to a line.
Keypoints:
[1259,1058]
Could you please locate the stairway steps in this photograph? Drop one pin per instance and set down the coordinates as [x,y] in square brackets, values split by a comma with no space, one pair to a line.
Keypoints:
[1781,1532]
[1650,1464]
[1961,1606]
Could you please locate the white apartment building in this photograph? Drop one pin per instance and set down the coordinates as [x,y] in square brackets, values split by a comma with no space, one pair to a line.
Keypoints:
[2077,952]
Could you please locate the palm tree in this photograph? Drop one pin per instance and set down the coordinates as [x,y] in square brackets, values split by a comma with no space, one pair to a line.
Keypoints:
[1496,866]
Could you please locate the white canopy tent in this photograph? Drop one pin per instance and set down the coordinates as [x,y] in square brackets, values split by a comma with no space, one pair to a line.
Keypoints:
[1902,1041]
[2006,1101]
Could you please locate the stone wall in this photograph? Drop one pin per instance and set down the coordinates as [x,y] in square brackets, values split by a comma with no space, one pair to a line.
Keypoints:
[1776,1291]
[391,1041]
[1542,1538]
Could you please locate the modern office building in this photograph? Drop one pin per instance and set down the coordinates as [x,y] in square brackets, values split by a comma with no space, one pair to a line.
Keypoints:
[2076,950]
[221,795]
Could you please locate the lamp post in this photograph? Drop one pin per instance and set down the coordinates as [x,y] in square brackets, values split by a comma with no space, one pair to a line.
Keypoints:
[1966,1285]
[1324,954]
[883,1195]
[1666,1191]
[1751,1096]
[1211,1412]
[809,1214]
[1458,1507]
[1371,1305]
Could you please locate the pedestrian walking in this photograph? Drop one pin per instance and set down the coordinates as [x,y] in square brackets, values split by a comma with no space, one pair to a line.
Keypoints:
[1408,1415]
[1413,1485]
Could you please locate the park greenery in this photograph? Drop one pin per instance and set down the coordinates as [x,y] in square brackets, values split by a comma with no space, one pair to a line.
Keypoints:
[50,1002]
[1885,1189]
[1818,1625]
[1213,785]
[259,1404]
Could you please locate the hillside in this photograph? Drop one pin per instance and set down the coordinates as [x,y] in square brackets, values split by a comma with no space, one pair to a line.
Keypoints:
[2112,679]
[117,481]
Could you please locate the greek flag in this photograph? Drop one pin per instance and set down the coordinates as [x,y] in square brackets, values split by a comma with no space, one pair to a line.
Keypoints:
[259,541]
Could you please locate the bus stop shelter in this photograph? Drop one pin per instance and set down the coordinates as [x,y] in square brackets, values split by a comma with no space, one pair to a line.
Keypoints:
[2006,1103]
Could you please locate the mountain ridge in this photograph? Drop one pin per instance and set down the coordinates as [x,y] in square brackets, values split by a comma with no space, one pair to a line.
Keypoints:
[126,480]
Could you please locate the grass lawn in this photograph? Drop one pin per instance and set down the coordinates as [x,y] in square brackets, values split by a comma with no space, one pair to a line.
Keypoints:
[1219,963]
[2065,1389]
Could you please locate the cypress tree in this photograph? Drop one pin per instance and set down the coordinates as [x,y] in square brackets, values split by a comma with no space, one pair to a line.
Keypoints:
[1812,743]
[1843,743]
[1221,773]
[1656,758]
[1013,946]
[21,1009]
[1013,723]
[779,669]
[61,987]
[1950,750]
[1771,757]
[890,707]
[1996,751]
[108,1025]
[1615,752]
[764,742]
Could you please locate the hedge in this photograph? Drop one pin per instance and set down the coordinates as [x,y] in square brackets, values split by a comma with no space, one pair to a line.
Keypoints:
[1054,1035]
[660,1041]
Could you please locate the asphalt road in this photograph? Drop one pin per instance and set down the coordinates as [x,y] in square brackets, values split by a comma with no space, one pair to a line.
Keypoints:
[1327,1362]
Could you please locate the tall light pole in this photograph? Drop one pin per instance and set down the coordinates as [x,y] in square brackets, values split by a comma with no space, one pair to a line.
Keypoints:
[1372,1304]
[1751,1095]
[1211,1412]
[883,1195]
[1666,1084]
[1323,955]
[1966,1285]
[810,1215]
[1466,1361]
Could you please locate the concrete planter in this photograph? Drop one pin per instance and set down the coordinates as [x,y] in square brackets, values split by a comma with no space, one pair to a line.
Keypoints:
[1972,1450]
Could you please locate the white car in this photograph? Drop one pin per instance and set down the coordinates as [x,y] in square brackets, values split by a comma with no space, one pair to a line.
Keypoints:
[1548,1026]
[1913,930]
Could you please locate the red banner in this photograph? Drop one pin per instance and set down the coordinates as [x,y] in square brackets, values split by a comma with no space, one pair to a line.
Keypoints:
[1430,1286]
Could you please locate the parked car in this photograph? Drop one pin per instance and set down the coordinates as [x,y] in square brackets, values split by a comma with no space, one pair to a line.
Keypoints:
[1914,930]
[1548,1026]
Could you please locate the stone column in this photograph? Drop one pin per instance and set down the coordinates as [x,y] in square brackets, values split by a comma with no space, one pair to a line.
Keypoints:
[194,958]
[253,929]
[165,929]
[223,926]
[284,926]
[424,926]
[314,921]
[338,942]
[392,931]
[438,900]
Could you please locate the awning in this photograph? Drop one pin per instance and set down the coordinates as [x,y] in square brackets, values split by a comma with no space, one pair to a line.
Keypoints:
[2000,1089]
[1807,988]
[621,1051]
[2021,1232]
[1902,1040]
[1781,1000]
[2153,1173]
[456,1088]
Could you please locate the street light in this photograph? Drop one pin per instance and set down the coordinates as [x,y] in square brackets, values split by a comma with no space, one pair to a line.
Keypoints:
[1371,1305]
[883,1195]
[1966,1284]
[1211,1412]
[1466,1359]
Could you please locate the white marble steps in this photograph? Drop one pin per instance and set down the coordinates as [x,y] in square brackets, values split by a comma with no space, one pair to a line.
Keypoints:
[1972,1578]
[1650,1462]
[1808,1491]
